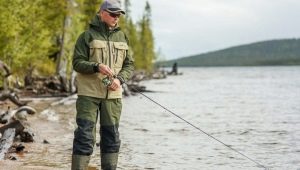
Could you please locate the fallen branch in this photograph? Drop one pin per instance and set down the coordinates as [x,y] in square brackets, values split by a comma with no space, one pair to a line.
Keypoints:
[26,135]
[17,125]
[12,97]
[6,142]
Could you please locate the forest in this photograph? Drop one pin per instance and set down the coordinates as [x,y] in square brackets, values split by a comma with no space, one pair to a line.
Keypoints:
[37,37]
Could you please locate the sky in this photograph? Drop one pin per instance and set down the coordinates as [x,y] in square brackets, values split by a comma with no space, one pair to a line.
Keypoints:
[188,27]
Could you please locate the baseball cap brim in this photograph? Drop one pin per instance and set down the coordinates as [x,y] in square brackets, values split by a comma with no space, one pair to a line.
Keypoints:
[115,10]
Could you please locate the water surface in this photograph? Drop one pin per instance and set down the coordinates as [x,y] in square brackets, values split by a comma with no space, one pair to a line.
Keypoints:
[255,110]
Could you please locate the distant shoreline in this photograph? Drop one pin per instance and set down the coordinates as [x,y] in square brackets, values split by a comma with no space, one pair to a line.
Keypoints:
[265,53]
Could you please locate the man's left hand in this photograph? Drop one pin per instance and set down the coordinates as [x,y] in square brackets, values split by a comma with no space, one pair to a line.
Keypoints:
[115,84]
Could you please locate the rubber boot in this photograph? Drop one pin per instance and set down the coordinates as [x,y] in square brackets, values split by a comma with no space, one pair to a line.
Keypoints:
[80,162]
[109,161]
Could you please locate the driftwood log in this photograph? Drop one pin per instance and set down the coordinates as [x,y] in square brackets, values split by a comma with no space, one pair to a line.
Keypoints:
[46,86]
[21,129]
[15,129]
[6,141]
[20,113]
[13,97]
[17,119]
[17,125]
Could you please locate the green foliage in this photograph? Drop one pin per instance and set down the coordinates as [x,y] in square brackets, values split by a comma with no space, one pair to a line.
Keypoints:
[27,31]
[141,38]
[147,54]
[274,52]
[88,9]
[41,34]
[45,67]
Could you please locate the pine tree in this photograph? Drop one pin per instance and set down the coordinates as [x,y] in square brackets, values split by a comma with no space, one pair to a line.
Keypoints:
[88,10]
[145,61]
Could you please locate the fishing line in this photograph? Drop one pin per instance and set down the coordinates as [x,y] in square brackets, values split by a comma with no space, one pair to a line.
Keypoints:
[252,160]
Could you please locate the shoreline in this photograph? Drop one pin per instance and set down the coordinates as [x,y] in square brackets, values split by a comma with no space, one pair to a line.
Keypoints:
[53,122]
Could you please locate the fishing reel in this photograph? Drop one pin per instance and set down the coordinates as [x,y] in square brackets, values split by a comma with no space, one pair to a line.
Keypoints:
[107,81]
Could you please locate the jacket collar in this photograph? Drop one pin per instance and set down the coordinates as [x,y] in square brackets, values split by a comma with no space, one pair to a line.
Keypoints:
[101,26]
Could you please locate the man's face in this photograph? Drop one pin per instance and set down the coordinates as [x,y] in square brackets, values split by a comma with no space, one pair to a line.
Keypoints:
[111,19]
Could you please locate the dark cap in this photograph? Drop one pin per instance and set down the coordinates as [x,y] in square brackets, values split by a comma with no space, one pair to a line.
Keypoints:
[112,6]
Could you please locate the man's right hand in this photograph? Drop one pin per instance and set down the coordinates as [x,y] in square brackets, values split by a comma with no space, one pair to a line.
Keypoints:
[104,69]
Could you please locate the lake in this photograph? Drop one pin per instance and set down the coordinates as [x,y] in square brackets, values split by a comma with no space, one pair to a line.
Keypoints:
[255,110]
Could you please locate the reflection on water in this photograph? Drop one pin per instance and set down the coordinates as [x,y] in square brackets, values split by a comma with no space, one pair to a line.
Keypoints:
[252,109]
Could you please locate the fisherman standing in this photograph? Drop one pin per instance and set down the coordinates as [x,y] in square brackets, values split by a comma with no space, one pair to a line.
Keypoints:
[100,53]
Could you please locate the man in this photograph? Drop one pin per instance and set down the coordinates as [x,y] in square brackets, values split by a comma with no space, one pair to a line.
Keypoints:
[101,53]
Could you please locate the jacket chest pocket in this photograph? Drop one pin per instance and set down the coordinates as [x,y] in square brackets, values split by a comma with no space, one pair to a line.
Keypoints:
[98,51]
[119,53]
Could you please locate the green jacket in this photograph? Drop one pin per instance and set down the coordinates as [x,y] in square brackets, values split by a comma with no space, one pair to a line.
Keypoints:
[99,45]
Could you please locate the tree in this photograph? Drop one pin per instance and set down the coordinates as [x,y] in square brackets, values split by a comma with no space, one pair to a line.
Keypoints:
[76,19]
[40,35]
[27,30]
[88,10]
[145,61]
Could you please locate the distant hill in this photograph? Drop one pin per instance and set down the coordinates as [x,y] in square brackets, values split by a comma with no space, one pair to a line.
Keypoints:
[273,52]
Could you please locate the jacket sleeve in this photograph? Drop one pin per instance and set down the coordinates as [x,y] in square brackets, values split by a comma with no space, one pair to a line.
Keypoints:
[81,63]
[127,69]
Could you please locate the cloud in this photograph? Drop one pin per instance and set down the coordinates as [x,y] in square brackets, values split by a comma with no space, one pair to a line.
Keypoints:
[189,27]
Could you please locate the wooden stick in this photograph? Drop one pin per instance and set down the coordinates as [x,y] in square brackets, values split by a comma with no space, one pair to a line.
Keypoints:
[6,141]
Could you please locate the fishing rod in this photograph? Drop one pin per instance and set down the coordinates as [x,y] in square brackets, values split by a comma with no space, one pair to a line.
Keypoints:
[107,81]
[252,160]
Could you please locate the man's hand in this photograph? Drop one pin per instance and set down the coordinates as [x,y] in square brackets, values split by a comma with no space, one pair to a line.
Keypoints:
[115,84]
[104,69]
